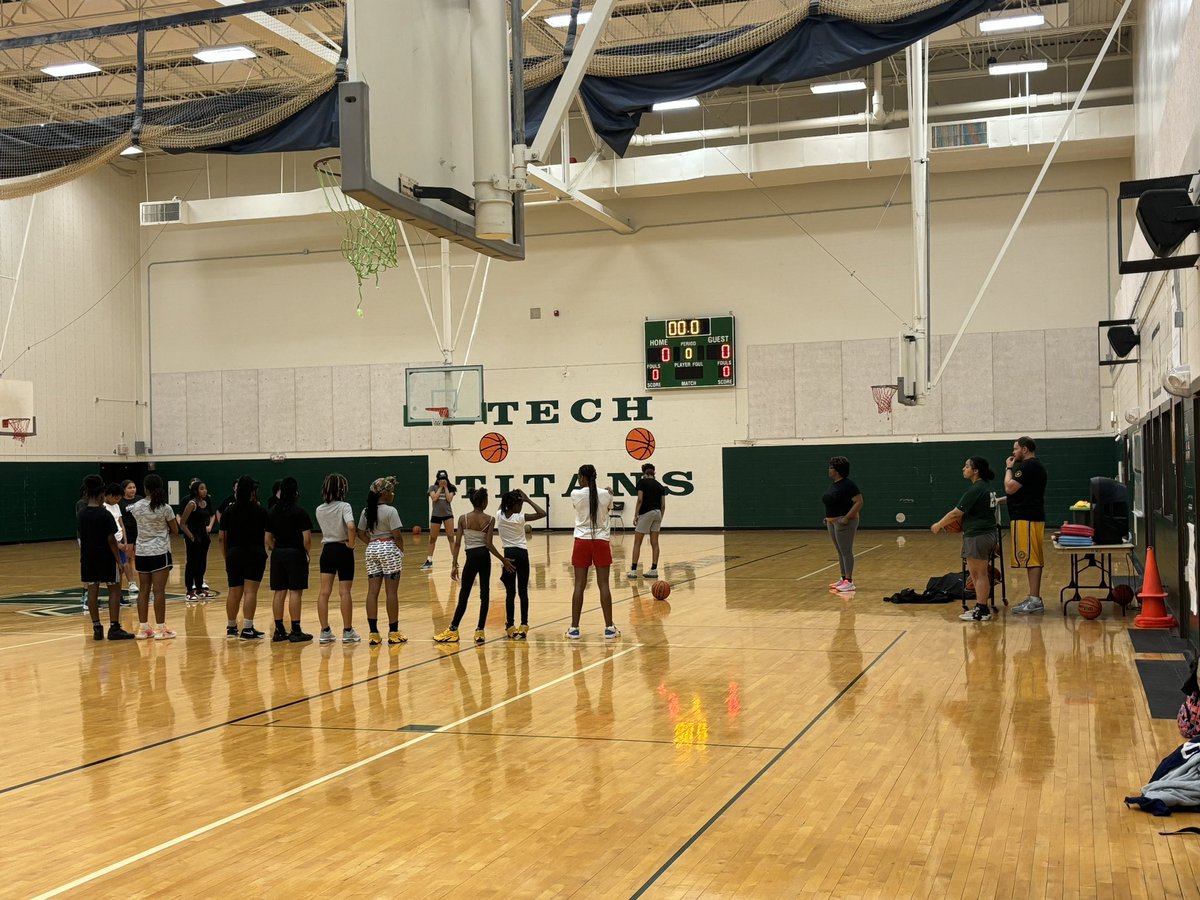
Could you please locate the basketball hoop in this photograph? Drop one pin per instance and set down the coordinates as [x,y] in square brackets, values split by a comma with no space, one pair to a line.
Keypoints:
[369,241]
[883,394]
[19,427]
[438,415]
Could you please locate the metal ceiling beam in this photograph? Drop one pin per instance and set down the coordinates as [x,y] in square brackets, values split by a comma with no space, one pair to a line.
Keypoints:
[581,201]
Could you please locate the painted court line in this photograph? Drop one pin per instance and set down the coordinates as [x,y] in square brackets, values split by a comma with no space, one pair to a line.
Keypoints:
[65,637]
[857,554]
[316,782]
[760,773]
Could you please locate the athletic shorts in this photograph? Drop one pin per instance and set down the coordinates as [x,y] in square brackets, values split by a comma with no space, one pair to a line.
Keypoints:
[244,564]
[337,559]
[1025,545]
[384,558]
[979,546]
[124,558]
[649,521]
[289,569]
[99,570]
[155,563]
[439,520]
[591,553]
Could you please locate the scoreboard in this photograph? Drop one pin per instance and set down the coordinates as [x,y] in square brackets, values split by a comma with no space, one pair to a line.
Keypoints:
[684,353]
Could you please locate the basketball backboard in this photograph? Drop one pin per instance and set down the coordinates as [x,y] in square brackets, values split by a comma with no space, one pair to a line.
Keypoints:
[446,395]
[426,119]
[17,419]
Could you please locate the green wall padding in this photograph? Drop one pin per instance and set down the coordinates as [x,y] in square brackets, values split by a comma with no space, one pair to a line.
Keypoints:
[781,487]
[37,500]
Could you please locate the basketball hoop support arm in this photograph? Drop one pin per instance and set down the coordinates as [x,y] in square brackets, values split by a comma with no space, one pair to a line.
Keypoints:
[1068,121]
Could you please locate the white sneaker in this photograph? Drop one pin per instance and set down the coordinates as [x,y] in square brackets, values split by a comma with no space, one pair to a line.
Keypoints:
[1029,605]
[611,632]
[133,588]
[978,614]
[572,634]
[350,636]
[632,573]
[846,587]
[164,634]
[326,636]
[652,573]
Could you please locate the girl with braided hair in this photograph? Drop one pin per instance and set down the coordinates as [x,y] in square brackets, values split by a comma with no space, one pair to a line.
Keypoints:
[380,526]
[592,507]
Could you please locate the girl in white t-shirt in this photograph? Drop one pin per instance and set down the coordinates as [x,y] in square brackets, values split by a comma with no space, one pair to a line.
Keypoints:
[592,506]
[380,526]
[510,522]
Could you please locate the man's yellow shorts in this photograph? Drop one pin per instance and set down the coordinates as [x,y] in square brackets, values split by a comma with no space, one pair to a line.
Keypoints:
[1025,544]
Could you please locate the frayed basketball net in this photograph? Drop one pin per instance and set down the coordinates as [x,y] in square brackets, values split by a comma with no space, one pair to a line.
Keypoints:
[883,394]
[20,429]
[369,242]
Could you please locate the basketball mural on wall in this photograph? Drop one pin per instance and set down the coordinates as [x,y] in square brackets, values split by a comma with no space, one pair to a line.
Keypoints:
[639,443]
[493,447]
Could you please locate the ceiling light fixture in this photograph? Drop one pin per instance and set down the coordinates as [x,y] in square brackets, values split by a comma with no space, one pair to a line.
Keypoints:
[1017,68]
[132,151]
[685,103]
[66,70]
[1012,23]
[224,54]
[564,20]
[837,87]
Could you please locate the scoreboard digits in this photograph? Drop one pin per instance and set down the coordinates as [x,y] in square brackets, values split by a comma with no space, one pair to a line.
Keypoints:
[683,353]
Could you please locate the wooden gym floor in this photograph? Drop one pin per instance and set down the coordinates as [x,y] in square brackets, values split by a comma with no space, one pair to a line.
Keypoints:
[754,736]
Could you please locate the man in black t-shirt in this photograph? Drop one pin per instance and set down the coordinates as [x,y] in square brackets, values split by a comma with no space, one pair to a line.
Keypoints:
[647,519]
[1025,485]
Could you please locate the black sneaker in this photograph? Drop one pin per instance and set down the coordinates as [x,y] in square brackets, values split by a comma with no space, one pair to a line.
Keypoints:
[231,631]
[299,637]
[97,631]
[250,634]
[117,633]
[278,636]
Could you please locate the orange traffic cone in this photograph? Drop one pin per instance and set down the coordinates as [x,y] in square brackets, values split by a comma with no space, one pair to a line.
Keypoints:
[1154,613]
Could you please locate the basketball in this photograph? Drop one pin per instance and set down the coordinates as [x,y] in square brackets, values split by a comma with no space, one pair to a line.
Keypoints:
[416,529]
[1122,595]
[953,527]
[639,443]
[1090,608]
[661,590]
[493,447]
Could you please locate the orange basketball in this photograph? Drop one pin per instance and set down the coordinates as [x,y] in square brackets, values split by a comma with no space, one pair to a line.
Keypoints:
[639,443]
[416,529]
[954,526]
[1090,608]
[993,575]
[1122,595]
[661,590]
[493,447]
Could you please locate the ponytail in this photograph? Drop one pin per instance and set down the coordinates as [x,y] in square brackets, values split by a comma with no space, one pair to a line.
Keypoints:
[589,472]
[153,486]
[372,511]
[243,491]
[289,491]
[980,465]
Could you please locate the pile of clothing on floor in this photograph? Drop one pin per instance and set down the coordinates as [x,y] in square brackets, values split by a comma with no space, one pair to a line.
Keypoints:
[1075,536]
[1175,784]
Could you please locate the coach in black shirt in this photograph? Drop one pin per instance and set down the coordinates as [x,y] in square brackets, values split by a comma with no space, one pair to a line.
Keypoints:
[1025,485]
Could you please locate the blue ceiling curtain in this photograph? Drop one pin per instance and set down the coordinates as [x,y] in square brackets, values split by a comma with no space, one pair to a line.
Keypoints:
[819,46]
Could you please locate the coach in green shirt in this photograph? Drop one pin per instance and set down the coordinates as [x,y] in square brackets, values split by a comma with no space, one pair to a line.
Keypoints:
[974,517]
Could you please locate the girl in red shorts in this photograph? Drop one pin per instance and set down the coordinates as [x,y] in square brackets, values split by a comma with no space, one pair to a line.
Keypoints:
[592,506]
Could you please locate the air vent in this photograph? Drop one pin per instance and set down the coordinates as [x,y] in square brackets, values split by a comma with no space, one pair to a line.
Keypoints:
[960,134]
[164,212]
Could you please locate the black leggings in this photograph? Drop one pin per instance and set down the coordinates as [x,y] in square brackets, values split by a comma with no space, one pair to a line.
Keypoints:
[479,562]
[196,566]
[514,582]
